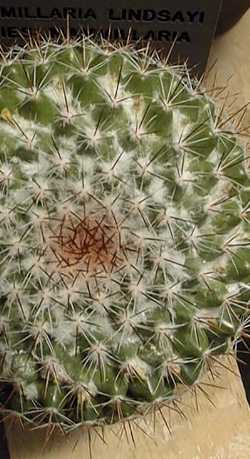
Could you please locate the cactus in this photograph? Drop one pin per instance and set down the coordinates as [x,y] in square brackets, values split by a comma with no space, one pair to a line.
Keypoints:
[124,234]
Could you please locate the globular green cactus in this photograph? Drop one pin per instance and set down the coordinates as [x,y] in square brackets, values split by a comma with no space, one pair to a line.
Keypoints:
[124,237]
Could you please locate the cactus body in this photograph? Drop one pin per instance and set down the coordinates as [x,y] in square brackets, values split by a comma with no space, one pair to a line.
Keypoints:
[124,237]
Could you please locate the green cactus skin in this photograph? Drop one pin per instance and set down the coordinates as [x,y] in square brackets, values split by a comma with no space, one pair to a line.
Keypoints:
[124,235]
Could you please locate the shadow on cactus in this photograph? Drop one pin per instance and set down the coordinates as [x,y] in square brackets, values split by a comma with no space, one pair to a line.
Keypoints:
[124,238]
